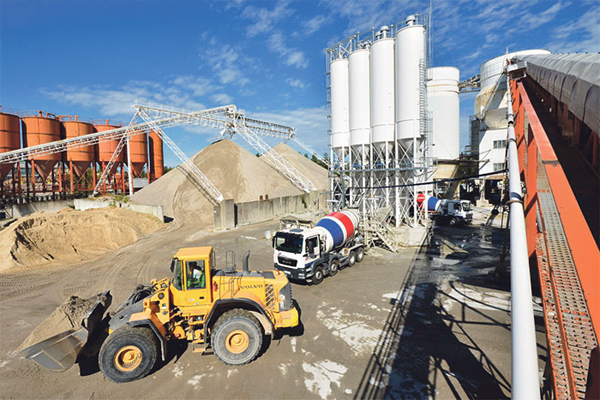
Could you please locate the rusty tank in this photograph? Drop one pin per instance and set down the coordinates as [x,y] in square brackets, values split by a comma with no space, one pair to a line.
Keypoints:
[106,149]
[157,166]
[82,157]
[10,139]
[41,129]
[138,150]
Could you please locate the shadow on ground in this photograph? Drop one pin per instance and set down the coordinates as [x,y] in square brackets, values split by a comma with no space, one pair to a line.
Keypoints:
[435,343]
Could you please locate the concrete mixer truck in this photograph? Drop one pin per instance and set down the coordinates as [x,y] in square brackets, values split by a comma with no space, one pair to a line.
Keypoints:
[451,212]
[310,254]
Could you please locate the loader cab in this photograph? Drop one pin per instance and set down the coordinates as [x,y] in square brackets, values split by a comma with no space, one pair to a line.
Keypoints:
[192,271]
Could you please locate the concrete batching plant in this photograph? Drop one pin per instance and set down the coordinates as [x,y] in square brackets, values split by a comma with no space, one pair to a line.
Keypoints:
[379,120]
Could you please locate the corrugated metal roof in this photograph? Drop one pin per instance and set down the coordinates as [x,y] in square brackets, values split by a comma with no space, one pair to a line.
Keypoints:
[574,79]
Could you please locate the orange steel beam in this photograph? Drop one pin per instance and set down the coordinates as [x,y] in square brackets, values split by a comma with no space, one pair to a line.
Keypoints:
[569,325]
[581,242]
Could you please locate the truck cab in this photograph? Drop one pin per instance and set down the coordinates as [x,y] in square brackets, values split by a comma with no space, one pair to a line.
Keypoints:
[454,212]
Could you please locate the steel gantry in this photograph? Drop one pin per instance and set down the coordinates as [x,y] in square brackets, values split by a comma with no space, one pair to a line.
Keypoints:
[232,120]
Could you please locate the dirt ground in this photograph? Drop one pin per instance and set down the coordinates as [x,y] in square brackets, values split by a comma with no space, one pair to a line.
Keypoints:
[428,322]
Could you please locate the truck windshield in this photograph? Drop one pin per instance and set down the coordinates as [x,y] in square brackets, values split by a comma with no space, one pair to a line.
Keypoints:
[288,242]
[466,206]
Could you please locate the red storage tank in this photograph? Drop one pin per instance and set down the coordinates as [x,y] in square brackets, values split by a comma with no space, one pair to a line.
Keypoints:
[157,166]
[138,149]
[42,129]
[10,139]
[106,149]
[81,157]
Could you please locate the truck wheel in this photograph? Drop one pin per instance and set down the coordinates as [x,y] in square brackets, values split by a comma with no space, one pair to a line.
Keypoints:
[237,337]
[334,267]
[128,354]
[453,221]
[360,254]
[318,275]
[351,259]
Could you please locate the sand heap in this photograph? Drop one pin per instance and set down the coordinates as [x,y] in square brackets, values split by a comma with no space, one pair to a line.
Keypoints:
[311,170]
[71,236]
[68,315]
[237,173]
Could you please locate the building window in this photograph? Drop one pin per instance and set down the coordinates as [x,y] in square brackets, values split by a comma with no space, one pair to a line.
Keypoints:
[499,144]
[498,166]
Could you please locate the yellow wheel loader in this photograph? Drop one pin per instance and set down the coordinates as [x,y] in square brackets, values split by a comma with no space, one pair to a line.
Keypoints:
[228,311]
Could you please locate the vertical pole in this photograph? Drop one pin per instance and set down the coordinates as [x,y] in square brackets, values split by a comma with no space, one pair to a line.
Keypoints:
[71,177]
[524,370]
[129,166]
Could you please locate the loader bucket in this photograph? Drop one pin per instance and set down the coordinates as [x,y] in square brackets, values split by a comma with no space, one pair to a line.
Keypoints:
[59,352]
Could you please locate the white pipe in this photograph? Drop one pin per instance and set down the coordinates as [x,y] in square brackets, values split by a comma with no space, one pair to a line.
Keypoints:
[525,375]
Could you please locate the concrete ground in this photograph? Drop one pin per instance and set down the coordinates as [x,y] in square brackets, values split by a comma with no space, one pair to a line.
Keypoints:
[432,321]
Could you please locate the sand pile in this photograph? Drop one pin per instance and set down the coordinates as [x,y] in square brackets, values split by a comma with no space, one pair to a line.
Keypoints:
[68,315]
[237,173]
[313,171]
[70,236]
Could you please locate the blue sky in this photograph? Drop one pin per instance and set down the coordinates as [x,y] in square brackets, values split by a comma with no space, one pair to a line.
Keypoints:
[96,58]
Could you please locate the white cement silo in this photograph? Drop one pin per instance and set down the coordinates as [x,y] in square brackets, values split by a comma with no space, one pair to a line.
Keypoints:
[360,107]
[340,114]
[382,92]
[410,56]
[443,106]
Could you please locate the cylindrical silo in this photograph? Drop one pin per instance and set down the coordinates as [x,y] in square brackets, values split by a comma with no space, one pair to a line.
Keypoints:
[81,158]
[41,130]
[443,104]
[138,150]
[340,99]
[106,149]
[10,139]
[382,91]
[360,103]
[155,146]
[410,56]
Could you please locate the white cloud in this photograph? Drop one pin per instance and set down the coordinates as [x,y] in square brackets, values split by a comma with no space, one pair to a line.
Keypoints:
[117,102]
[222,98]
[225,61]
[311,124]
[314,24]
[265,19]
[293,57]
[296,83]
[581,35]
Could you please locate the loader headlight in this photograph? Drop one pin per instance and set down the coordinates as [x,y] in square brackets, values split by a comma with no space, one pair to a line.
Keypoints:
[281,301]
[285,297]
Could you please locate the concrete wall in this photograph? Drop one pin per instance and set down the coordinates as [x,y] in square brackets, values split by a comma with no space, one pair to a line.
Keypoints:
[86,204]
[228,215]
[21,210]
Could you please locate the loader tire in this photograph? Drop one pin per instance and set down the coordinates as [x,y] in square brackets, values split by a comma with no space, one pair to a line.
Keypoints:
[360,254]
[128,354]
[237,337]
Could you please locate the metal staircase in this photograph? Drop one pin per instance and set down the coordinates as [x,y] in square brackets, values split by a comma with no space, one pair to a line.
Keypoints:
[377,231]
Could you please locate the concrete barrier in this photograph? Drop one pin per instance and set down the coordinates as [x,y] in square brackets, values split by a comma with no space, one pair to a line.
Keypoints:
[228,215]
[21,210]
[86,204]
